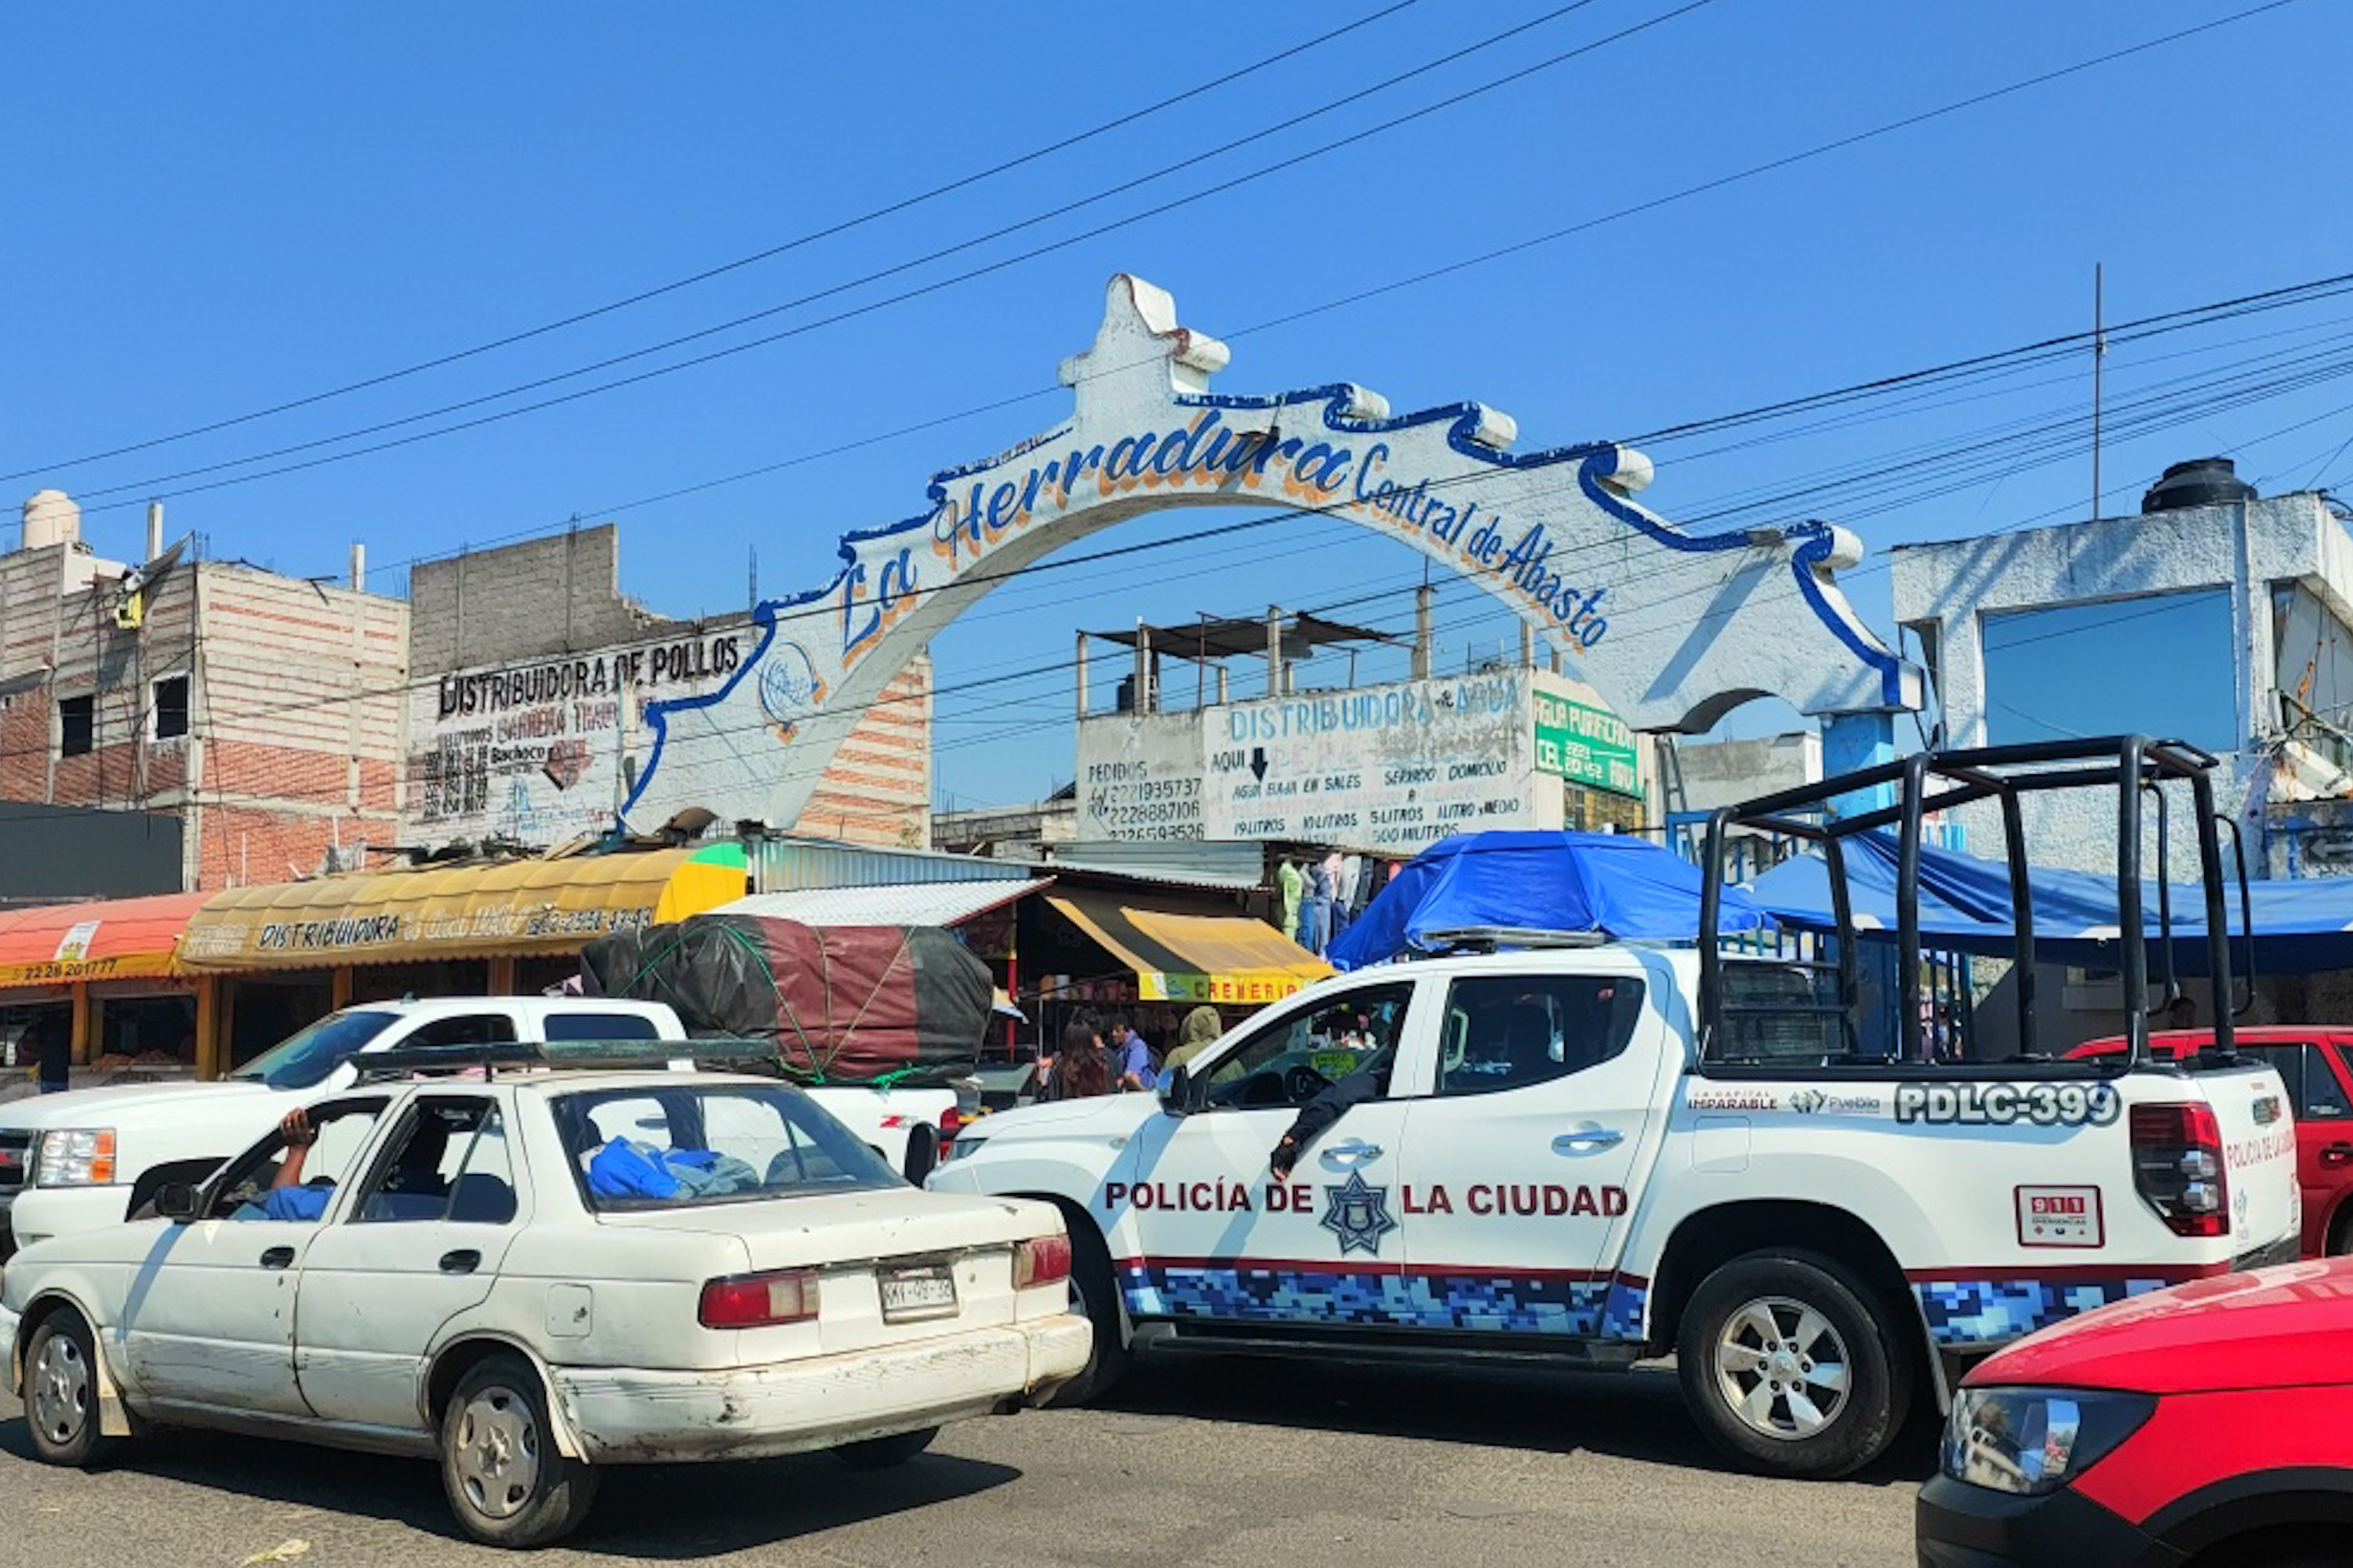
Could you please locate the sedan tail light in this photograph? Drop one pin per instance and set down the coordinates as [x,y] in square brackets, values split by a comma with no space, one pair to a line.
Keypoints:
[2177,1153]
[760,1300]
[1041,1260]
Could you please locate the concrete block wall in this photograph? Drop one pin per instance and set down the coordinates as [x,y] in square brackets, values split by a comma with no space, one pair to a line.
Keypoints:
[556,595]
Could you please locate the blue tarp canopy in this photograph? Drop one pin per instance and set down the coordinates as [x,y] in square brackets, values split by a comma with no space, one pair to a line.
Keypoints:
[1534,880]
[2300,925]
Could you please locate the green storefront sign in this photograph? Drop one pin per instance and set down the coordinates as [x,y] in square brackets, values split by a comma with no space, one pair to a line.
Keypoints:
[1586,745]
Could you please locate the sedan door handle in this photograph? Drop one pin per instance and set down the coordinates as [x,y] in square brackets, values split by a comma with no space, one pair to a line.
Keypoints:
[2336,1154]
[1355,1151]
[278,1257]
[463,1261]
[1585,1140]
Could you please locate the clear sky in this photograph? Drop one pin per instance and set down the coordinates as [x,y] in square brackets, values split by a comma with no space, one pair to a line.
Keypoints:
[215,210]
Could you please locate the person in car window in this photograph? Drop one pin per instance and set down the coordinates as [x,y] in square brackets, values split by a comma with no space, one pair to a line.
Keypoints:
[414,1190]
[1369,1082]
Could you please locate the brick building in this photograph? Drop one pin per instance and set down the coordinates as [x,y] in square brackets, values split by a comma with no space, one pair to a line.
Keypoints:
[547,702]
[262,712]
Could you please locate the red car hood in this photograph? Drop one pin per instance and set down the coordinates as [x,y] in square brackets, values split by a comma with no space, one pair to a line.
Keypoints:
[2274,1327]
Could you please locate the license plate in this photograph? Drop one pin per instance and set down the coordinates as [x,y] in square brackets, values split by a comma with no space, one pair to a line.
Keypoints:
[910,1294]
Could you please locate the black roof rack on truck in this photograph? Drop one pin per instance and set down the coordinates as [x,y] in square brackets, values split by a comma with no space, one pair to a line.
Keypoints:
[2133,766]
[575,1056]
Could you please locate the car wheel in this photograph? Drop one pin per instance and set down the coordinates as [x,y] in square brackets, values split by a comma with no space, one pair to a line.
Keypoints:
[61,1392]
[507,1482]
[1095,1295]
[1791,1367]
[882,1452]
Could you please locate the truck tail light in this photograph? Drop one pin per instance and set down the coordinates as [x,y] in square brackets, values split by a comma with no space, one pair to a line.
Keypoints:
[2177,1153]
[951,1123]
[760,1300]
[1040,1260]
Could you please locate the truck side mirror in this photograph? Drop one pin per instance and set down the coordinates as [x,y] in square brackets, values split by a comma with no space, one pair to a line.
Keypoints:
[176,1202]
[1177,1090]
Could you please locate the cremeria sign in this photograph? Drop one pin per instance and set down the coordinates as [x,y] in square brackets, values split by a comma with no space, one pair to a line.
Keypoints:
[1673,629]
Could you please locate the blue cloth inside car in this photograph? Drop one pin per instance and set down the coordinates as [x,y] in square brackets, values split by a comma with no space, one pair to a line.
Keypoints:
[627,1169]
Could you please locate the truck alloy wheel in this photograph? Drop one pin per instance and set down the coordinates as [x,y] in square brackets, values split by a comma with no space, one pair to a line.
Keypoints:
[1781,1367]
[1791,1365]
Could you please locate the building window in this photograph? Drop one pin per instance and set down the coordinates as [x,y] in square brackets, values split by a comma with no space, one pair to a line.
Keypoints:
[77,726]
[170,708]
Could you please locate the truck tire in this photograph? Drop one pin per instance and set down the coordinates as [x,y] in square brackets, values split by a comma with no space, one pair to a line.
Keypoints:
[1094,1295]
[1791,1367]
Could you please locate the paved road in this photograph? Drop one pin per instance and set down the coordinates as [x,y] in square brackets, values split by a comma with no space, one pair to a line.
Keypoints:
[1224,1465]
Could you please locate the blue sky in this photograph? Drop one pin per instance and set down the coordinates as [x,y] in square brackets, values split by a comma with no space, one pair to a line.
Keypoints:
[217,210]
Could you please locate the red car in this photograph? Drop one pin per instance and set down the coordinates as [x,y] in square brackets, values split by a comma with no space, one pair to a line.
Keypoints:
[2311,1060]
[2210,1425]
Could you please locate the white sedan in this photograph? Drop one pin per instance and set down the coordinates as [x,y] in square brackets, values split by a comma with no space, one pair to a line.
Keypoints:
[537,1276]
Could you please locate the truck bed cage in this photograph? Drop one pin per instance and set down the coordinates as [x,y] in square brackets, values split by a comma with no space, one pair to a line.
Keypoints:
[567,1056]
[2133,766]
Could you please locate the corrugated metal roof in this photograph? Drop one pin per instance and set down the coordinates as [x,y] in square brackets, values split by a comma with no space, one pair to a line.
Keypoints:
[788,865]
[898,904]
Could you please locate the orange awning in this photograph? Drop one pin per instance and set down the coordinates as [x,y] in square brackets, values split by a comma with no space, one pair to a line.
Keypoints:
[112,938]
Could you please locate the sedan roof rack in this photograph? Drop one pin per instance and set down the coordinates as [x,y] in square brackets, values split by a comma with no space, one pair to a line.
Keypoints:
[575,1056]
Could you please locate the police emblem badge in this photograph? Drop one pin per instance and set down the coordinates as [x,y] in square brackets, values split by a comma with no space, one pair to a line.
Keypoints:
[1357,1214]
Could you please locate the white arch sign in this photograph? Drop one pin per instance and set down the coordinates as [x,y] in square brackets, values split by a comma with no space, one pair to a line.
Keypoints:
[1675,630]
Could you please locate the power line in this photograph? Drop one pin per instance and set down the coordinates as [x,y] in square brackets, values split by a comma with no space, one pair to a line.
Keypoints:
[808,237]
[942,253]
[1751,172]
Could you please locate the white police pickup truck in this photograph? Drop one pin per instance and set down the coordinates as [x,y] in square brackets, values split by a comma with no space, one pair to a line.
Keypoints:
[95,1157]
[1551,1170]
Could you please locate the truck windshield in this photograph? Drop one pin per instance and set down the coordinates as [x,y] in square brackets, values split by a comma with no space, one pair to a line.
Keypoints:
[303,1060]
[661,1147]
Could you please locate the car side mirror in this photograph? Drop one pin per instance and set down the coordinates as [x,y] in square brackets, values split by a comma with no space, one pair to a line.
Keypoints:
[176,1202]
[1177,1089]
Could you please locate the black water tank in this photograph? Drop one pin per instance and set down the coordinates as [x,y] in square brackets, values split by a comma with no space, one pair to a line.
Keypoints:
[2201,481]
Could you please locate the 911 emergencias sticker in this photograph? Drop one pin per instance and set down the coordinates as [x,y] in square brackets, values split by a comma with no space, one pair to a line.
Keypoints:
[1999,1105]
[2060,1216]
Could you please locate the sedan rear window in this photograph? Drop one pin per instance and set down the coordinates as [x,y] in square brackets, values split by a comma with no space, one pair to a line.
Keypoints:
[666,1147]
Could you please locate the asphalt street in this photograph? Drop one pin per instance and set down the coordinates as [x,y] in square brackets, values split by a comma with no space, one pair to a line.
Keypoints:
[1247,1464]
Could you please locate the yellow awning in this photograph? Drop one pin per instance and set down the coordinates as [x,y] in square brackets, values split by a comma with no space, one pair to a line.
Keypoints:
[511,908]
[1192,957]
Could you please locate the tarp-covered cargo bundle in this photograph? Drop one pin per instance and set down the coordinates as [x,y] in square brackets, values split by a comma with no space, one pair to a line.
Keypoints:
[845,1004]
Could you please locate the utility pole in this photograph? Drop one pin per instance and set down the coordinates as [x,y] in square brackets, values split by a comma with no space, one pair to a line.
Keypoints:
[2099,352]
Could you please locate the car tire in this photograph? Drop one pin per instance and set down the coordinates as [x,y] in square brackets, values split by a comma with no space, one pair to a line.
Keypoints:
[882,1452]
[61,1392]
[1095,1295]
[1756,1339]
[506,1480]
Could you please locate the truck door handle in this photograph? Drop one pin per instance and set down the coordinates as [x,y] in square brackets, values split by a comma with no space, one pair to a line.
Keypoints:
[1586,1140]
[1355,1151]
[278,1257]
[2336,1154]
[463,1261]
